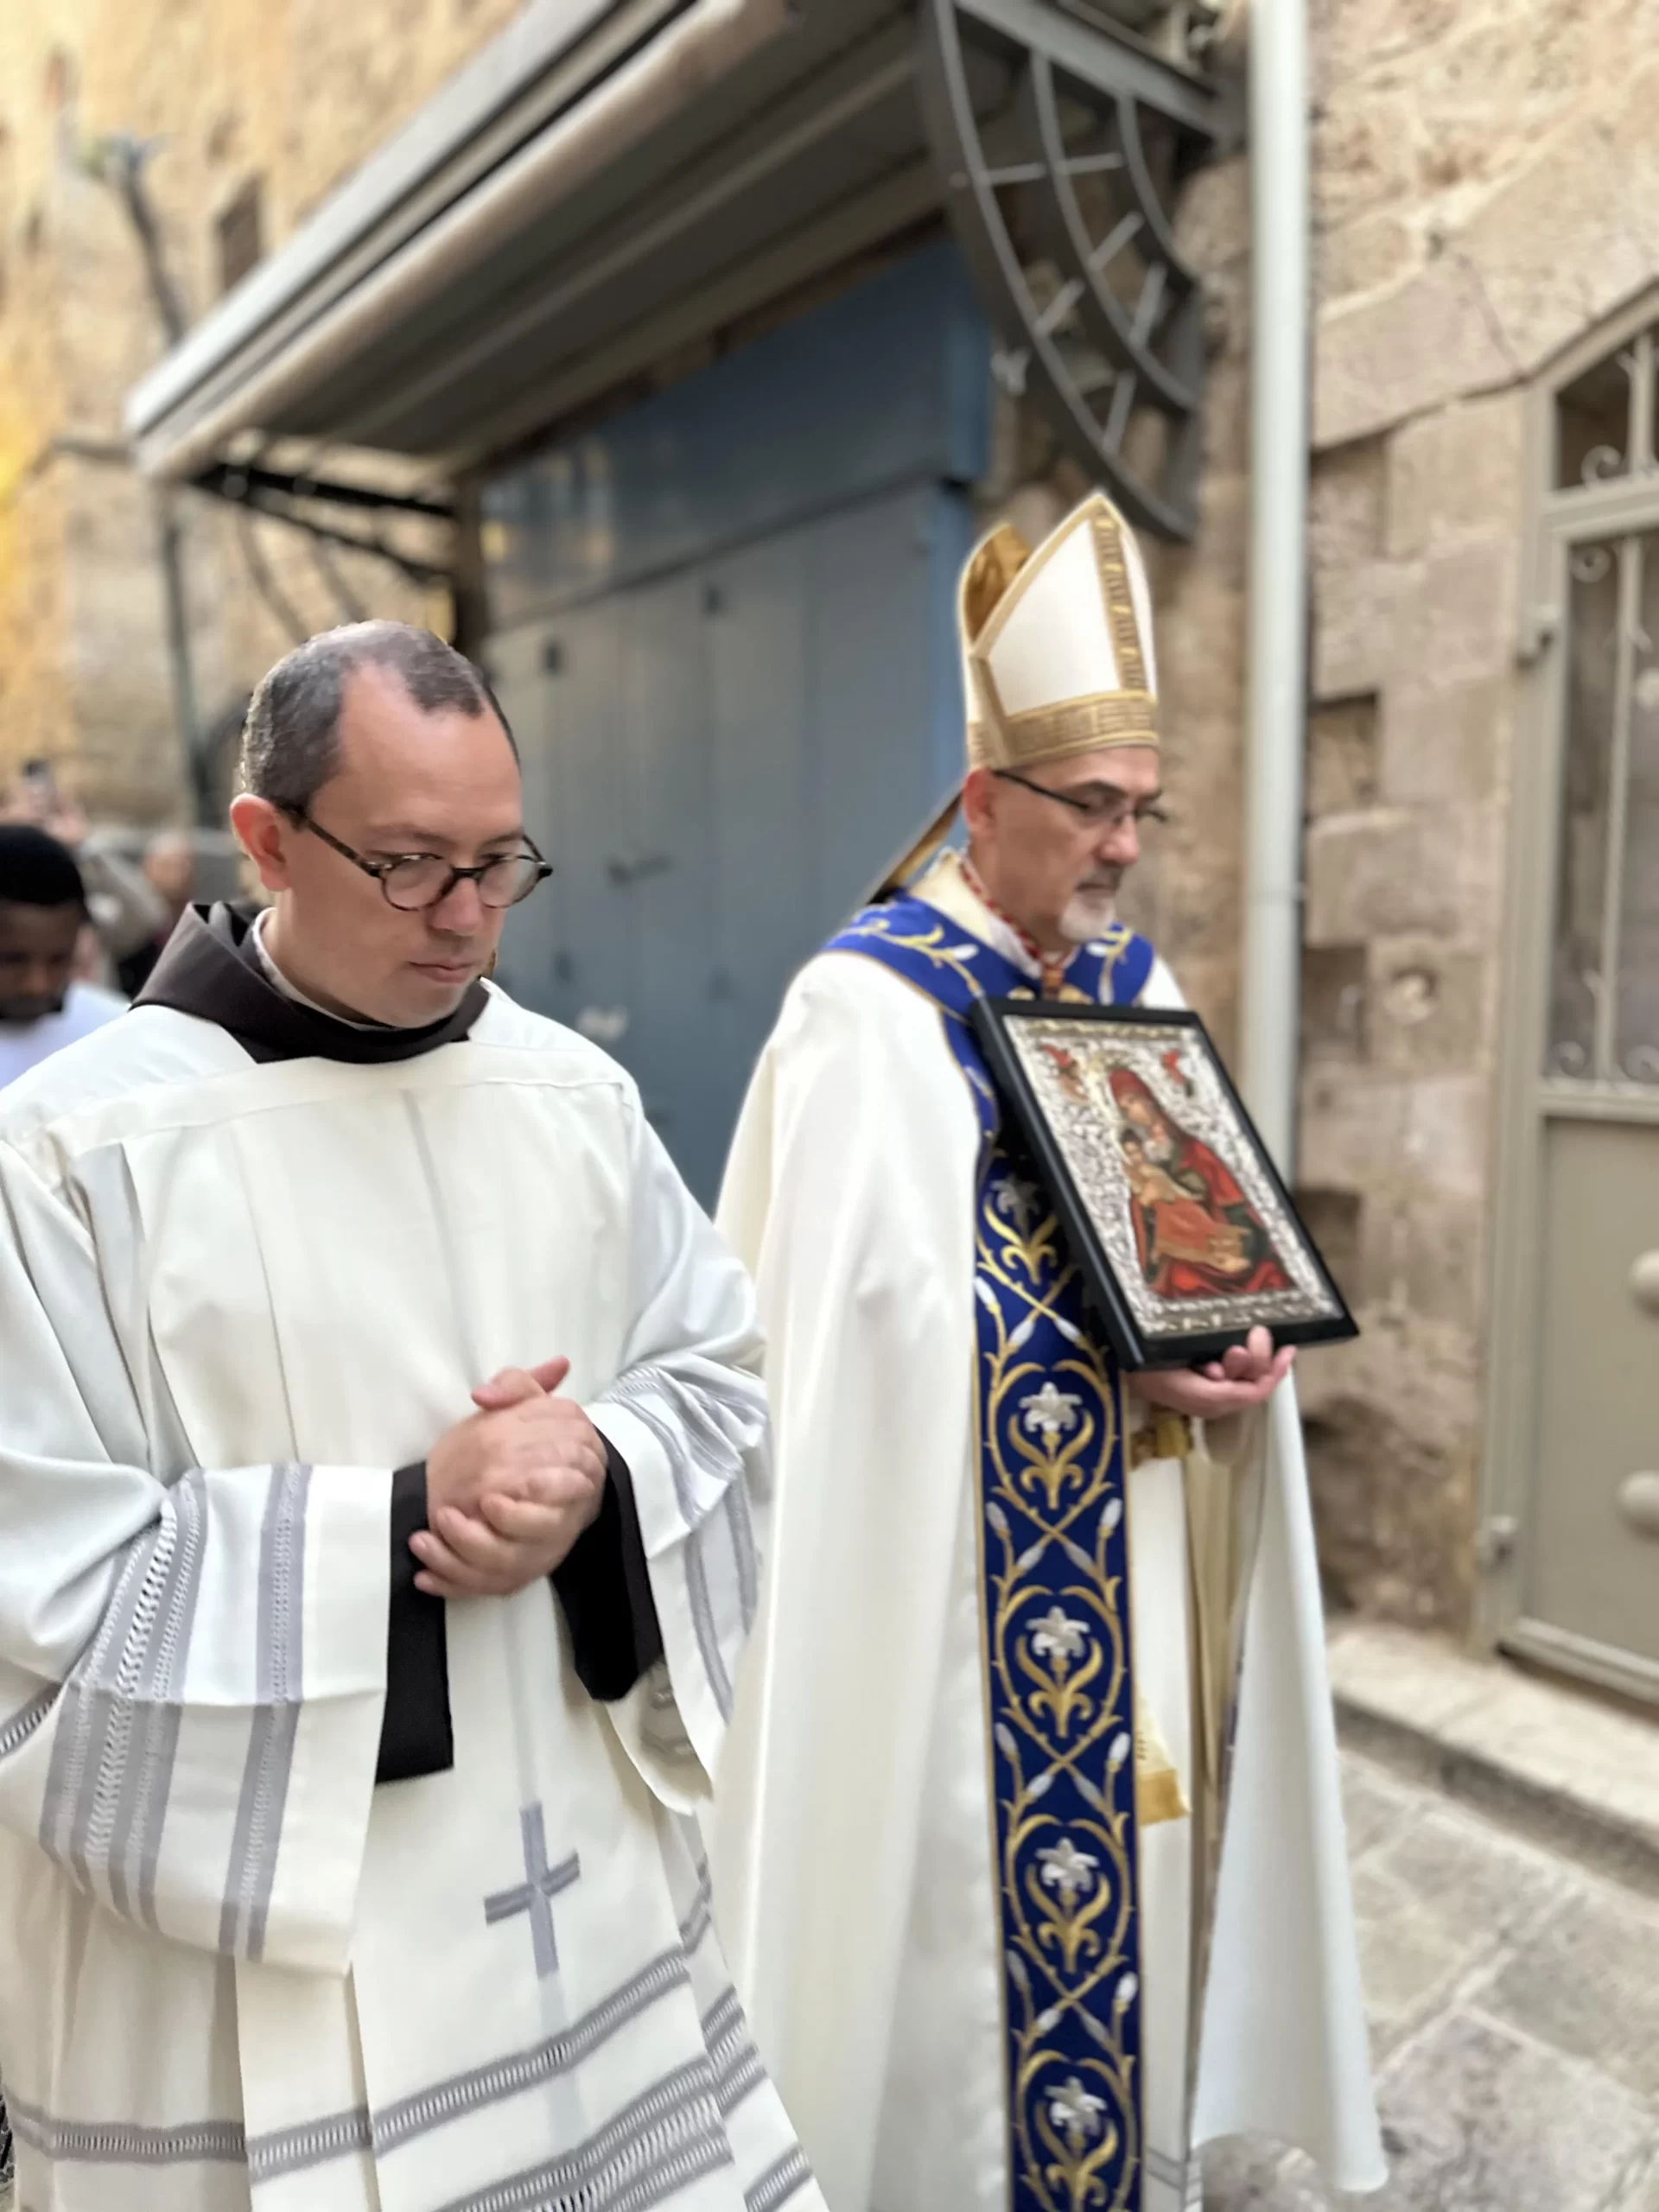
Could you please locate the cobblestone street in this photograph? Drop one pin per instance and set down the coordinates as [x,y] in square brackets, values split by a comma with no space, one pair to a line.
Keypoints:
[1514,2021]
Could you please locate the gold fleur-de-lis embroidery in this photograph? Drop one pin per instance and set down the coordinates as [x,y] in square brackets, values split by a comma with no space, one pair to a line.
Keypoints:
[1070,1902]
[1075,2124]
[1057,1651]
[1026,1226]
[1047,1661]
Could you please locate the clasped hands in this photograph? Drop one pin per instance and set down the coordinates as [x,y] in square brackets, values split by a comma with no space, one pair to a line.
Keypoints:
[510,1489]
[1246,1375]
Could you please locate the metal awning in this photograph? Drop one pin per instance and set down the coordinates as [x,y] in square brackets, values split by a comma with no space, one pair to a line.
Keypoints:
[491,268]
[612,180]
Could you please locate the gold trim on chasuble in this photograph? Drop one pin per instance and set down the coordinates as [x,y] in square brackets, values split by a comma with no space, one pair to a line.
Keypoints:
[1063,1723]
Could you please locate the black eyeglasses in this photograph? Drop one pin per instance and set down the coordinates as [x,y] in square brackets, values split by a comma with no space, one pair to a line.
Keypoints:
[411,881]
[1106,813]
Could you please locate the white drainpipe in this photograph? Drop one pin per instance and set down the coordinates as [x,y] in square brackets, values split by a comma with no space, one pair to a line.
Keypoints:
[1278,570]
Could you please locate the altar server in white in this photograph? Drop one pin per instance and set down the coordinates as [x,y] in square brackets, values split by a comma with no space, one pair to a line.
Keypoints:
[1016,1932]
[379,1452]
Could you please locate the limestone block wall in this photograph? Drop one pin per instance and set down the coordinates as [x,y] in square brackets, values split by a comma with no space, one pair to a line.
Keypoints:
[1484,181]
[291,97]
[1483,174]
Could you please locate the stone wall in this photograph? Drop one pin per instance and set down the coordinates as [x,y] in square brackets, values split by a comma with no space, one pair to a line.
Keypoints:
[294,96]
[1481,178]
[1484,181]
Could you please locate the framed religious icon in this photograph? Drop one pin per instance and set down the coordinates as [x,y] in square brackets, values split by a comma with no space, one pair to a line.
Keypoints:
[1187,1237]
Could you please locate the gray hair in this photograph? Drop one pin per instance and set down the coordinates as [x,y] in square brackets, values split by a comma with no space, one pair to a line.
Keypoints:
[290,740]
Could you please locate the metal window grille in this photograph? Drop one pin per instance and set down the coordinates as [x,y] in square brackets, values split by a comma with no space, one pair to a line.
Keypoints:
[1604,1000]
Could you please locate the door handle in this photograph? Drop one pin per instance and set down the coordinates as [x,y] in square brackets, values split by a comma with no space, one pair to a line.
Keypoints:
[633,867]
[1638,1501]
[1644,1282]
[603,1025]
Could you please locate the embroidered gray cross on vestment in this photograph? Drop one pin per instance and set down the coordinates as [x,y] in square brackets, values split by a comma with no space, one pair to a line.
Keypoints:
[533,1894]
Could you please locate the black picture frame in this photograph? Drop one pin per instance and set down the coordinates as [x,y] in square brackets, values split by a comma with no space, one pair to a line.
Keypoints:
[1059,1115]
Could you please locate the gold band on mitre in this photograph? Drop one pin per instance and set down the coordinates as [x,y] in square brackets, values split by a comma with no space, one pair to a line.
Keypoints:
[1067,630]
[1077,586]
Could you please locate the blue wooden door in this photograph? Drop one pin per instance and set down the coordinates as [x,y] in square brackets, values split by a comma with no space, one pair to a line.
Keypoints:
[717,765]
[730,730]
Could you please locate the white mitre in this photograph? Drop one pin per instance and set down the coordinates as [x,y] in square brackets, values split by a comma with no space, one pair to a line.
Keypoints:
[1056,645]
[1057,653]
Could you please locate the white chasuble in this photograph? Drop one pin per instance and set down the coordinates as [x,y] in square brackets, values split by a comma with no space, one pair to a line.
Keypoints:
[856,1837]
[234,1298]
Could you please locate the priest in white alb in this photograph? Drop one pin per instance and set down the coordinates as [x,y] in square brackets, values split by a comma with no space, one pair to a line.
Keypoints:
[1027,1847]
[380,1450]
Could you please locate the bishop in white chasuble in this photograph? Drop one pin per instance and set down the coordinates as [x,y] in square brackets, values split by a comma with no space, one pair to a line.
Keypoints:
[1027,1847]
[319,1893]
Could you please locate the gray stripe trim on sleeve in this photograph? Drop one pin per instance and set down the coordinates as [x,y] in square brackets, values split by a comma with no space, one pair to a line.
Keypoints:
[738,2079]
[725,2014]
[112,1762]
[142,1815]
[732,2053]
[278,1674]
[73,1740]
[702,1620]
[743,1550]
[120,2143]
[634,1392]
[705,1422]
[16,1732]
[778,2182]
[699,1916]
[680,1415]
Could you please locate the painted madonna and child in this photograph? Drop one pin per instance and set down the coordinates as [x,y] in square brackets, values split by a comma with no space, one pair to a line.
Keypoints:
[1184,1237]
[1196,1234]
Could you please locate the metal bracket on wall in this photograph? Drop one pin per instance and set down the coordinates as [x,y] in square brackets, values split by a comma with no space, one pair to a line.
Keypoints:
[1495,1542]
[1540,626]
[278,494]
[1062,138]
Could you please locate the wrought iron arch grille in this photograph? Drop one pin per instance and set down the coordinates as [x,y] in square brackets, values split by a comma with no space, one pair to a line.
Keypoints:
[1062,147]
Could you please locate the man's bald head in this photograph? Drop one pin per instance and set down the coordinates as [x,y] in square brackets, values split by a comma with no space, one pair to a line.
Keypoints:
[365,748]
[292,739]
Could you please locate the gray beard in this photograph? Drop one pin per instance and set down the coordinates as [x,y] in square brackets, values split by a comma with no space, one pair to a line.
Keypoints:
[1087,915]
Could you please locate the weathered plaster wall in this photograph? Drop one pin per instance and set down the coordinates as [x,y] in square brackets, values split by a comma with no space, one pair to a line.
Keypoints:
[294,93]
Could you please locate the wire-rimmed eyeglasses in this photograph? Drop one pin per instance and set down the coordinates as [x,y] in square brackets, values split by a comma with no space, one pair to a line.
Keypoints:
[412,881]
[1098,809]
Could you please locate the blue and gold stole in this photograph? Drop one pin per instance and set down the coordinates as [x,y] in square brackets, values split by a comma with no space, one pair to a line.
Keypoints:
[1054,1572]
